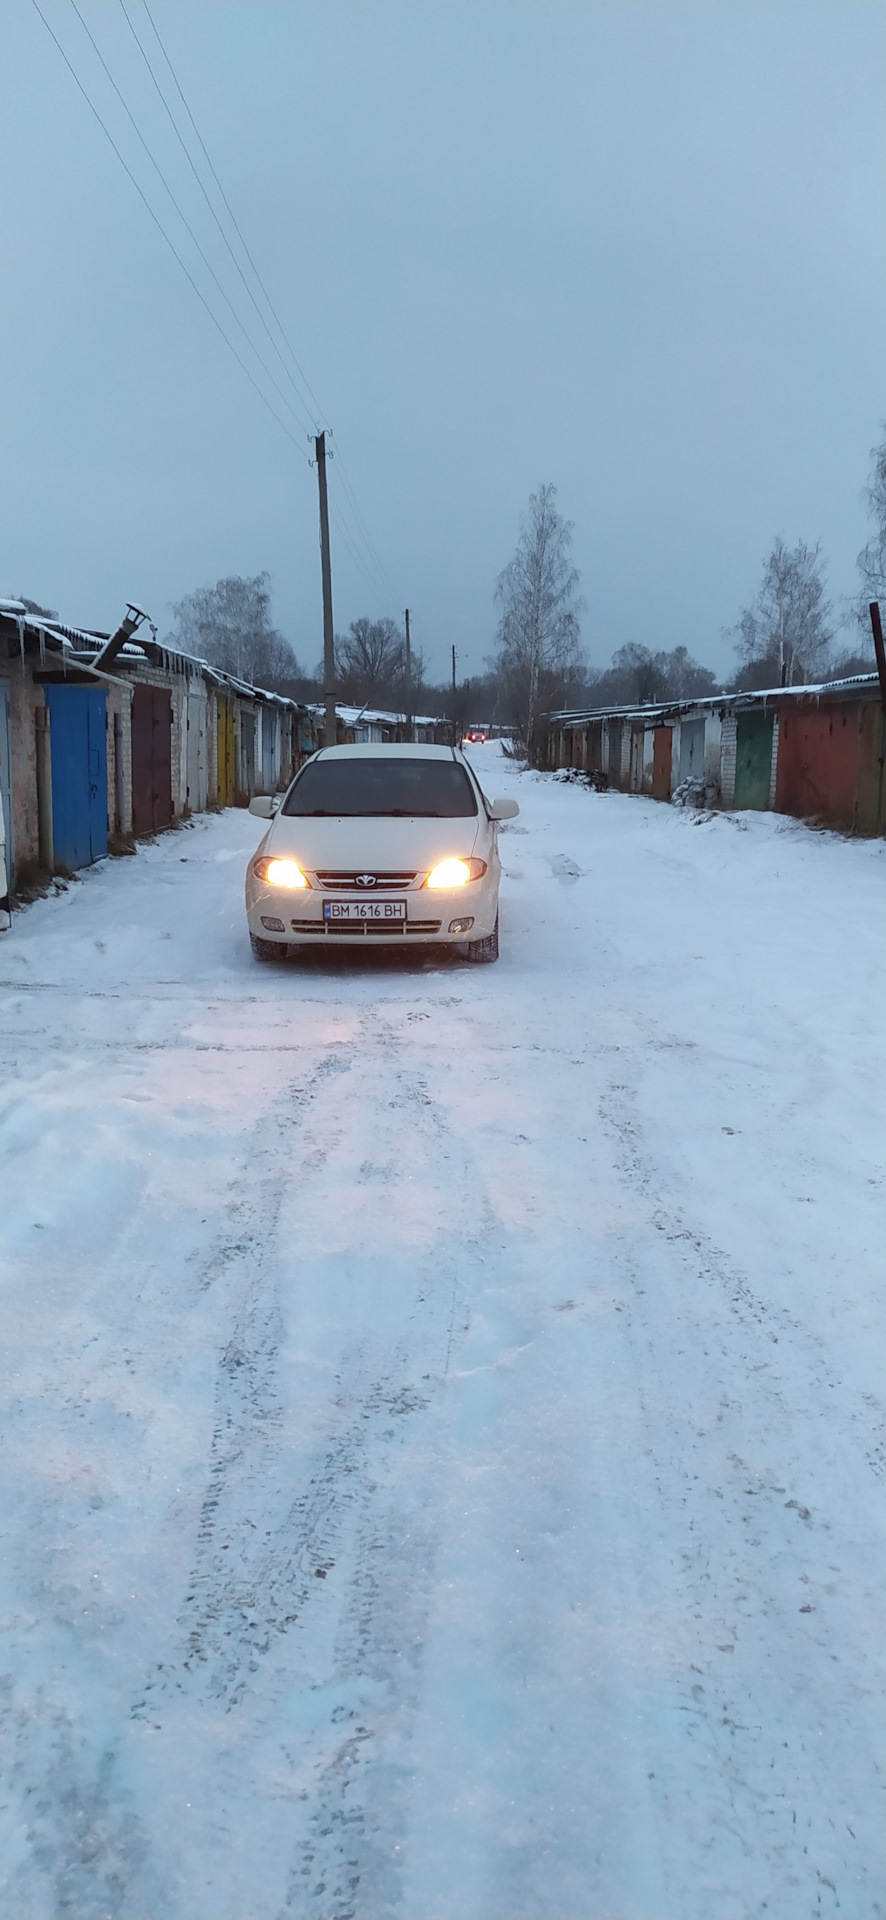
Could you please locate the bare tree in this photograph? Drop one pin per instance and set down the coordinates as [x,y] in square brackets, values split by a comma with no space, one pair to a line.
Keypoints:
[366,658]
[636,673]
[370,665]
[872,558]
[230,626]
[538,654]
[636,668]
[786,632]
[33,606]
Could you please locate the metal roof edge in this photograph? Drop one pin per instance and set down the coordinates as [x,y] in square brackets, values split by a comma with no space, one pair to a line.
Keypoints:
[706,703]
[64,639]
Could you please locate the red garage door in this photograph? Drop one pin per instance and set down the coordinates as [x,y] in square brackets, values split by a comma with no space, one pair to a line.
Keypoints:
[817,773]
[661,763]
[151,759]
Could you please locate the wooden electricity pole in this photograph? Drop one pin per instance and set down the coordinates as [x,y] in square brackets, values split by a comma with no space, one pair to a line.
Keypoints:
[329,736]
[454,700]
[409,727]
[877,630]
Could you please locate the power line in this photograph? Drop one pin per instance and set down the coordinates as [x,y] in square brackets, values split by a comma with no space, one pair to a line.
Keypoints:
[374,574]
[185,222]
[361,527]
[188,157]
[380,587]
[161,229]
[287,343]
[372,584]
[370,547]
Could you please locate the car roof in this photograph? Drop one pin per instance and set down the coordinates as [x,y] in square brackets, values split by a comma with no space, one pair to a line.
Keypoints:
[392,750]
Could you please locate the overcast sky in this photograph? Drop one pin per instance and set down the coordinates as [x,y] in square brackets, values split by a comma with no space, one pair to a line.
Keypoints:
[633,249]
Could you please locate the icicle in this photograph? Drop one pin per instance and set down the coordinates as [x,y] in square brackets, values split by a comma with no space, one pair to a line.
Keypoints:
[21,635]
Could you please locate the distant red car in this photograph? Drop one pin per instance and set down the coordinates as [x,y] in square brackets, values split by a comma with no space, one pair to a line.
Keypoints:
[476,737]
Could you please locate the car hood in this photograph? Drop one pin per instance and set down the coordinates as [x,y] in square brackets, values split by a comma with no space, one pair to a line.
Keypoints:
[376,844]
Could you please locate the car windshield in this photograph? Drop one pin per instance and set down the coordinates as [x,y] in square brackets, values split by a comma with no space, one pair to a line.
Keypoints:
[426,789]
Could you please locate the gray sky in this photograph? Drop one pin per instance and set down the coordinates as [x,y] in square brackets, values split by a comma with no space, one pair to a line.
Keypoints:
[633,249]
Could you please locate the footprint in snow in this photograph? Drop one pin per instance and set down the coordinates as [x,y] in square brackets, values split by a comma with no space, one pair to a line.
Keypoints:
[563,868]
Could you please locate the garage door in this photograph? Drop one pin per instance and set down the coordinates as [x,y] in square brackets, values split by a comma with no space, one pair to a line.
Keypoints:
[151,759]
[691,750]
[753,759]
[79,762]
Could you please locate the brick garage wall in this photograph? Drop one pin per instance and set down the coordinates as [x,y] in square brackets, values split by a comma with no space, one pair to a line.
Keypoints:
[120,702]
[728,750]
[24,699]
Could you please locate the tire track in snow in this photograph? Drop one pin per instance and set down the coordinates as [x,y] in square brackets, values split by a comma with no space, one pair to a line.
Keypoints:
[747,1307]
[756,1564]
[347,1863]
[80,1830]
[238,1605]
[273,1576]
[94,1856]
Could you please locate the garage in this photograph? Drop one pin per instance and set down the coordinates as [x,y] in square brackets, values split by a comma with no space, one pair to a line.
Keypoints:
[151,759]
[661,763]
[753,759]
[691,750]
[196,792]
[79,762]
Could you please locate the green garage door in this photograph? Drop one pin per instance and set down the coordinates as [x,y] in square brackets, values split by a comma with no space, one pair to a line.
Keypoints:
[753,759]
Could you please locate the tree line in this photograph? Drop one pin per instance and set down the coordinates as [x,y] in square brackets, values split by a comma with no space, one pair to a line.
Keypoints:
[788,634]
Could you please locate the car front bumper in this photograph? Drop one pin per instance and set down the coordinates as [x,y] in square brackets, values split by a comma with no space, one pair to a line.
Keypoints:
[295,917]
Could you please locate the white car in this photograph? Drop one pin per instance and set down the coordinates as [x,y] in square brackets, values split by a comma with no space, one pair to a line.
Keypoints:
[391,843]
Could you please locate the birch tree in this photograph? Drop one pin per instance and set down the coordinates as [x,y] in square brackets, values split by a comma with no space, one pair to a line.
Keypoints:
[538,655]
[230,626]
[787,627]
[872,558]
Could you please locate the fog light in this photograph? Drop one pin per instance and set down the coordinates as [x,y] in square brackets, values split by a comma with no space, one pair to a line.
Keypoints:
[461,926]
[273,926]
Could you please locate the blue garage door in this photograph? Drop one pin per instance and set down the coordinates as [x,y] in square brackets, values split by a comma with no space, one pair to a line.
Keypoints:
[79,752]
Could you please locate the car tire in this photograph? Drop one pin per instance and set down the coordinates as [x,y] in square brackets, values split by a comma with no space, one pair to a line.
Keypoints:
[266,949]
[484,951]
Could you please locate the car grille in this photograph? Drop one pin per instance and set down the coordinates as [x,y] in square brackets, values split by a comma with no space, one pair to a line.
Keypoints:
[360,929]
[351,882]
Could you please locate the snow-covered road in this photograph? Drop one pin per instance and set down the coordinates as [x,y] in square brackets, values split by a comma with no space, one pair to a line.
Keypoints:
[444,1458]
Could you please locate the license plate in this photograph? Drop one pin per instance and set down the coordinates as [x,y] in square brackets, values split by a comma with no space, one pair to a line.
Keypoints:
[364,910]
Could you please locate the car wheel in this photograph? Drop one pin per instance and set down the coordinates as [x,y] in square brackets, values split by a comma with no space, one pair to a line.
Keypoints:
[266,949]
[485,950]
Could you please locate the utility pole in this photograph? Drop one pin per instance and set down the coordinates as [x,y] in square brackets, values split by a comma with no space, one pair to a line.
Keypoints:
[329,736]
[410,730]
[454,698]
[877,630]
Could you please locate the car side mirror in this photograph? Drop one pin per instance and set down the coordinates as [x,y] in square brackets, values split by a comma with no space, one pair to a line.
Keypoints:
[503,810]
[264,804]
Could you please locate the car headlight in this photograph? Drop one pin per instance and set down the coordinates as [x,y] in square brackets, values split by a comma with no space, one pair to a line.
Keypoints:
[278,873]
[455,873]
